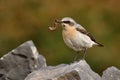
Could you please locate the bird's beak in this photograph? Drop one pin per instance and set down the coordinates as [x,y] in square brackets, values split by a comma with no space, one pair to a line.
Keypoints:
[58,21]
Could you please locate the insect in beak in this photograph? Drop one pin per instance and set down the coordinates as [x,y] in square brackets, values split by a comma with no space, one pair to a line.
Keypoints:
[58,21]
[55,25]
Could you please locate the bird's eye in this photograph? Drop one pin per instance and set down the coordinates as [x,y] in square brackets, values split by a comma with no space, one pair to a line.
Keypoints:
[67,22]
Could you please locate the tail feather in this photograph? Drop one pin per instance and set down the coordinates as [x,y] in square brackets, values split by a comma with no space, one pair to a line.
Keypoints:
[99,44]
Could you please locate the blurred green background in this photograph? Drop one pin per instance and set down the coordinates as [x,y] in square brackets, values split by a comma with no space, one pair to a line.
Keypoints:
[23,20]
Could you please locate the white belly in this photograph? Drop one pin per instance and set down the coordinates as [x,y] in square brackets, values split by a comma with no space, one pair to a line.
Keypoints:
[78,41]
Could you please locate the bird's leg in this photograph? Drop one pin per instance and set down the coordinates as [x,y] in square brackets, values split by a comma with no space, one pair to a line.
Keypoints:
[76,56]
[84,53]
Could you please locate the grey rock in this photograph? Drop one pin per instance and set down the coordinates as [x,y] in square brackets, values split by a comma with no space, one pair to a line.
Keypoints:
[73,75]
[18,63]
[75,71]
[111,73]
[25,63]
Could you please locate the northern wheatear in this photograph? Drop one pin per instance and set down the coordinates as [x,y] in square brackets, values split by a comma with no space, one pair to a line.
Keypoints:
[76,37]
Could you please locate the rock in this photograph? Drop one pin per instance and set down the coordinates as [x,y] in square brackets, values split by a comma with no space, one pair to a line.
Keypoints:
[25,63]
[73,75]
[18,63]
[75,71]
[111,73]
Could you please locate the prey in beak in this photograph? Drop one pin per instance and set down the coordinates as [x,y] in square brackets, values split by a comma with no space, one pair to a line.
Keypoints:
[58,21]
[55,25]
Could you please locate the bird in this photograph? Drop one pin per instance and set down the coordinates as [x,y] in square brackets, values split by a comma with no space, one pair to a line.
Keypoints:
[76,36]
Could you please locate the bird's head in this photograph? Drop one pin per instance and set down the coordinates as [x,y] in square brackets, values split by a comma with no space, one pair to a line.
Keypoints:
[67,22]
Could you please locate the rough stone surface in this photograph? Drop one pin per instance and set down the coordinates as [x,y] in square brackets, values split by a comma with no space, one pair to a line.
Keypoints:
[25,63]
[80,70]
[18,63]
[73,75]
[111,73]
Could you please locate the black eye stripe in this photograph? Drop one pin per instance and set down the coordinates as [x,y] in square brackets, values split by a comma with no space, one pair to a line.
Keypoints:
[67,22]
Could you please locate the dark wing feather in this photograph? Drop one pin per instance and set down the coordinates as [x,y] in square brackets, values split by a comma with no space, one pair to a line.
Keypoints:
[88,34]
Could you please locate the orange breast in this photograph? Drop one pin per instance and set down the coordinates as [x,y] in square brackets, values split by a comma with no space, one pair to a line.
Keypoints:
[69,32]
